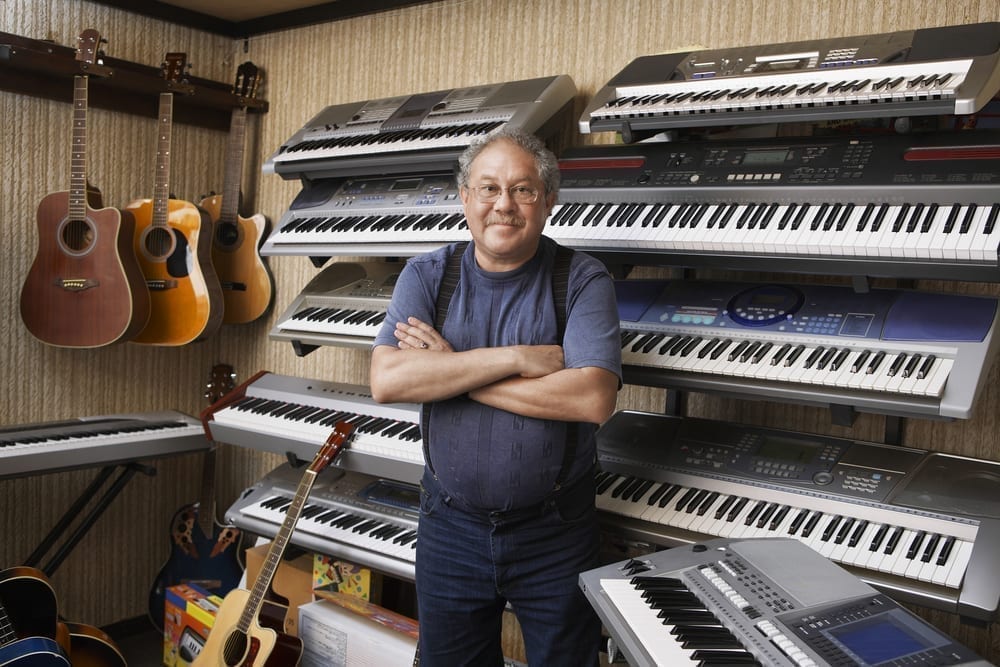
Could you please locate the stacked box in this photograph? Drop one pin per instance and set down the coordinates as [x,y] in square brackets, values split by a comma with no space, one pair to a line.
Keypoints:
[340,576]
[346,631]
[189,614]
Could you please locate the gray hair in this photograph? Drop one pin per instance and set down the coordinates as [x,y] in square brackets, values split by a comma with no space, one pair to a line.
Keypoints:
[545,160]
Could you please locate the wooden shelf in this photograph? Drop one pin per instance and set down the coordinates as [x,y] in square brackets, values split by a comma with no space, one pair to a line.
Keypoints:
[45,69]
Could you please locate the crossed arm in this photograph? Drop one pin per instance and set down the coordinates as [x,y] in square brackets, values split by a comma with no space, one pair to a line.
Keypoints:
[529,380]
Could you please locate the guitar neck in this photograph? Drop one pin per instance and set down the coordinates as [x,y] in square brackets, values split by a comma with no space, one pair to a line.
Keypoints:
[276,551]
[206,506]
[326,455]
[7,634]
[161,179]
[78,151]
[234,166]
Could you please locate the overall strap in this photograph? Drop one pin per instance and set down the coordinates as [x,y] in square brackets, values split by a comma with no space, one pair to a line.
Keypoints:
[560,286]
[452,272]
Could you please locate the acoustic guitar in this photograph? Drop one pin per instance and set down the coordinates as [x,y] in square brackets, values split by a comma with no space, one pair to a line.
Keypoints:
[85,288]
[247,285]
[202,550]
[172,243]
[237,637]
[30,632]
[92,647]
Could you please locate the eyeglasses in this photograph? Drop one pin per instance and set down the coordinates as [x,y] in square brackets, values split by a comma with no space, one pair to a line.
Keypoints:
[490,192]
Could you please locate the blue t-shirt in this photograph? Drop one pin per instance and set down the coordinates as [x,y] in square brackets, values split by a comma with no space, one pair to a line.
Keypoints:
[487,458]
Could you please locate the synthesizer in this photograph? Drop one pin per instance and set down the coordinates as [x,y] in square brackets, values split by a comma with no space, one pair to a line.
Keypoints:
[923,527]
[770,602]
[294,416]
[425,131]
[902,206]
[97,441]
[931,71]
[361,518]
[371,216]
[889,351]
[343,305]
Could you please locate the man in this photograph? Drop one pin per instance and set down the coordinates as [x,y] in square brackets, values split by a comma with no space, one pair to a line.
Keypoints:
[507,496]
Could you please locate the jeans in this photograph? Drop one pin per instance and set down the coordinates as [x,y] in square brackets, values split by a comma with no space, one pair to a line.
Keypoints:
[470,564]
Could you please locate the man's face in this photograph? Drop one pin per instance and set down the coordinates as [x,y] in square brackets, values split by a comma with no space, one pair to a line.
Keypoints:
[506,232]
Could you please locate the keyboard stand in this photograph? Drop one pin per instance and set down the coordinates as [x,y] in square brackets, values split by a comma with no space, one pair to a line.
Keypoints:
[126,473]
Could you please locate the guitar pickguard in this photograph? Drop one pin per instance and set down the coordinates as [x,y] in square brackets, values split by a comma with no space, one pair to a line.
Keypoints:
[179,261]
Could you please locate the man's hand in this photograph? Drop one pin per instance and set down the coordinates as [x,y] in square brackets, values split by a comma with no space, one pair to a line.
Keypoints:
[417,335]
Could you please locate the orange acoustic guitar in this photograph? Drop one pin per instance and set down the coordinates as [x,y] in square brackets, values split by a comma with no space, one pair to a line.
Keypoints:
[247,285]
[84,288]
[173,245]
[237,637]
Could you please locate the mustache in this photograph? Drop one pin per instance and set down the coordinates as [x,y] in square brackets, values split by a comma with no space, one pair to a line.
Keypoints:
[511,220]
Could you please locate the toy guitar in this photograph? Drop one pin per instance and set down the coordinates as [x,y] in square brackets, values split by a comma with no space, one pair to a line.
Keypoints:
[237,638]
[247,285]
[173,245]
[84,288]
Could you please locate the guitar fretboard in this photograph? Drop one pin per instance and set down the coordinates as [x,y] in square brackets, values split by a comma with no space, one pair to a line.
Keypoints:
[161,179]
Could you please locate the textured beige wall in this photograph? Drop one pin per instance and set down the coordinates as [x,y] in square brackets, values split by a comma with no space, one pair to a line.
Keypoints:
[440,45]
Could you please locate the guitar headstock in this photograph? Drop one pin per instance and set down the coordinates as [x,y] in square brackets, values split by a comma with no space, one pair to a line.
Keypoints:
[88,47]
[331,448]
[174,70]
[248,78]
[221,381]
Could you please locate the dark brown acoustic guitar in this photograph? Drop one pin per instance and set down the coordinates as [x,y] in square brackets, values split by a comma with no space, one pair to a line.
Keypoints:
[85,288]
[173,243]
[247,285]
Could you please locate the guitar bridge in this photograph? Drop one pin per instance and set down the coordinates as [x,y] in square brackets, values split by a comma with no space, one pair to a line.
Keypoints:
[76,284]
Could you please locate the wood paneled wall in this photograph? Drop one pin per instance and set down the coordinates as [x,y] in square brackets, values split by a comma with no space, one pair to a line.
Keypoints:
[446,44]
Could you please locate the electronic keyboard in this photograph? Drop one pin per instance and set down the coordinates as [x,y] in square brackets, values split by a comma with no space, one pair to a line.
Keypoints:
[350,515]
[889,351]
[913,206]
[294,416]
[343,305]
[97,440]
[930,71]
[418,132]
[770,602]
[921,526]
[365,216]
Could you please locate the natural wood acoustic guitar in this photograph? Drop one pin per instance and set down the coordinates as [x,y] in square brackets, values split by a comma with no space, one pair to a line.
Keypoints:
[173,244]
[247,284]
[237,636]
[85,288]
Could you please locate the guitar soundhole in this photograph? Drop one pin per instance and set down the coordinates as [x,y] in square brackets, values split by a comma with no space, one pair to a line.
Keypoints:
[158,242]
[77,236]
[227,234]
[235,648]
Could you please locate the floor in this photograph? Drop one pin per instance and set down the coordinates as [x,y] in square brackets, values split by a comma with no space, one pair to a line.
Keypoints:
[138,641]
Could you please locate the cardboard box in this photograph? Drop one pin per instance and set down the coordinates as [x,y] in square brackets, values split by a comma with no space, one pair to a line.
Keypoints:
[346,631]
[292,581]
[340,576]
[189,613]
